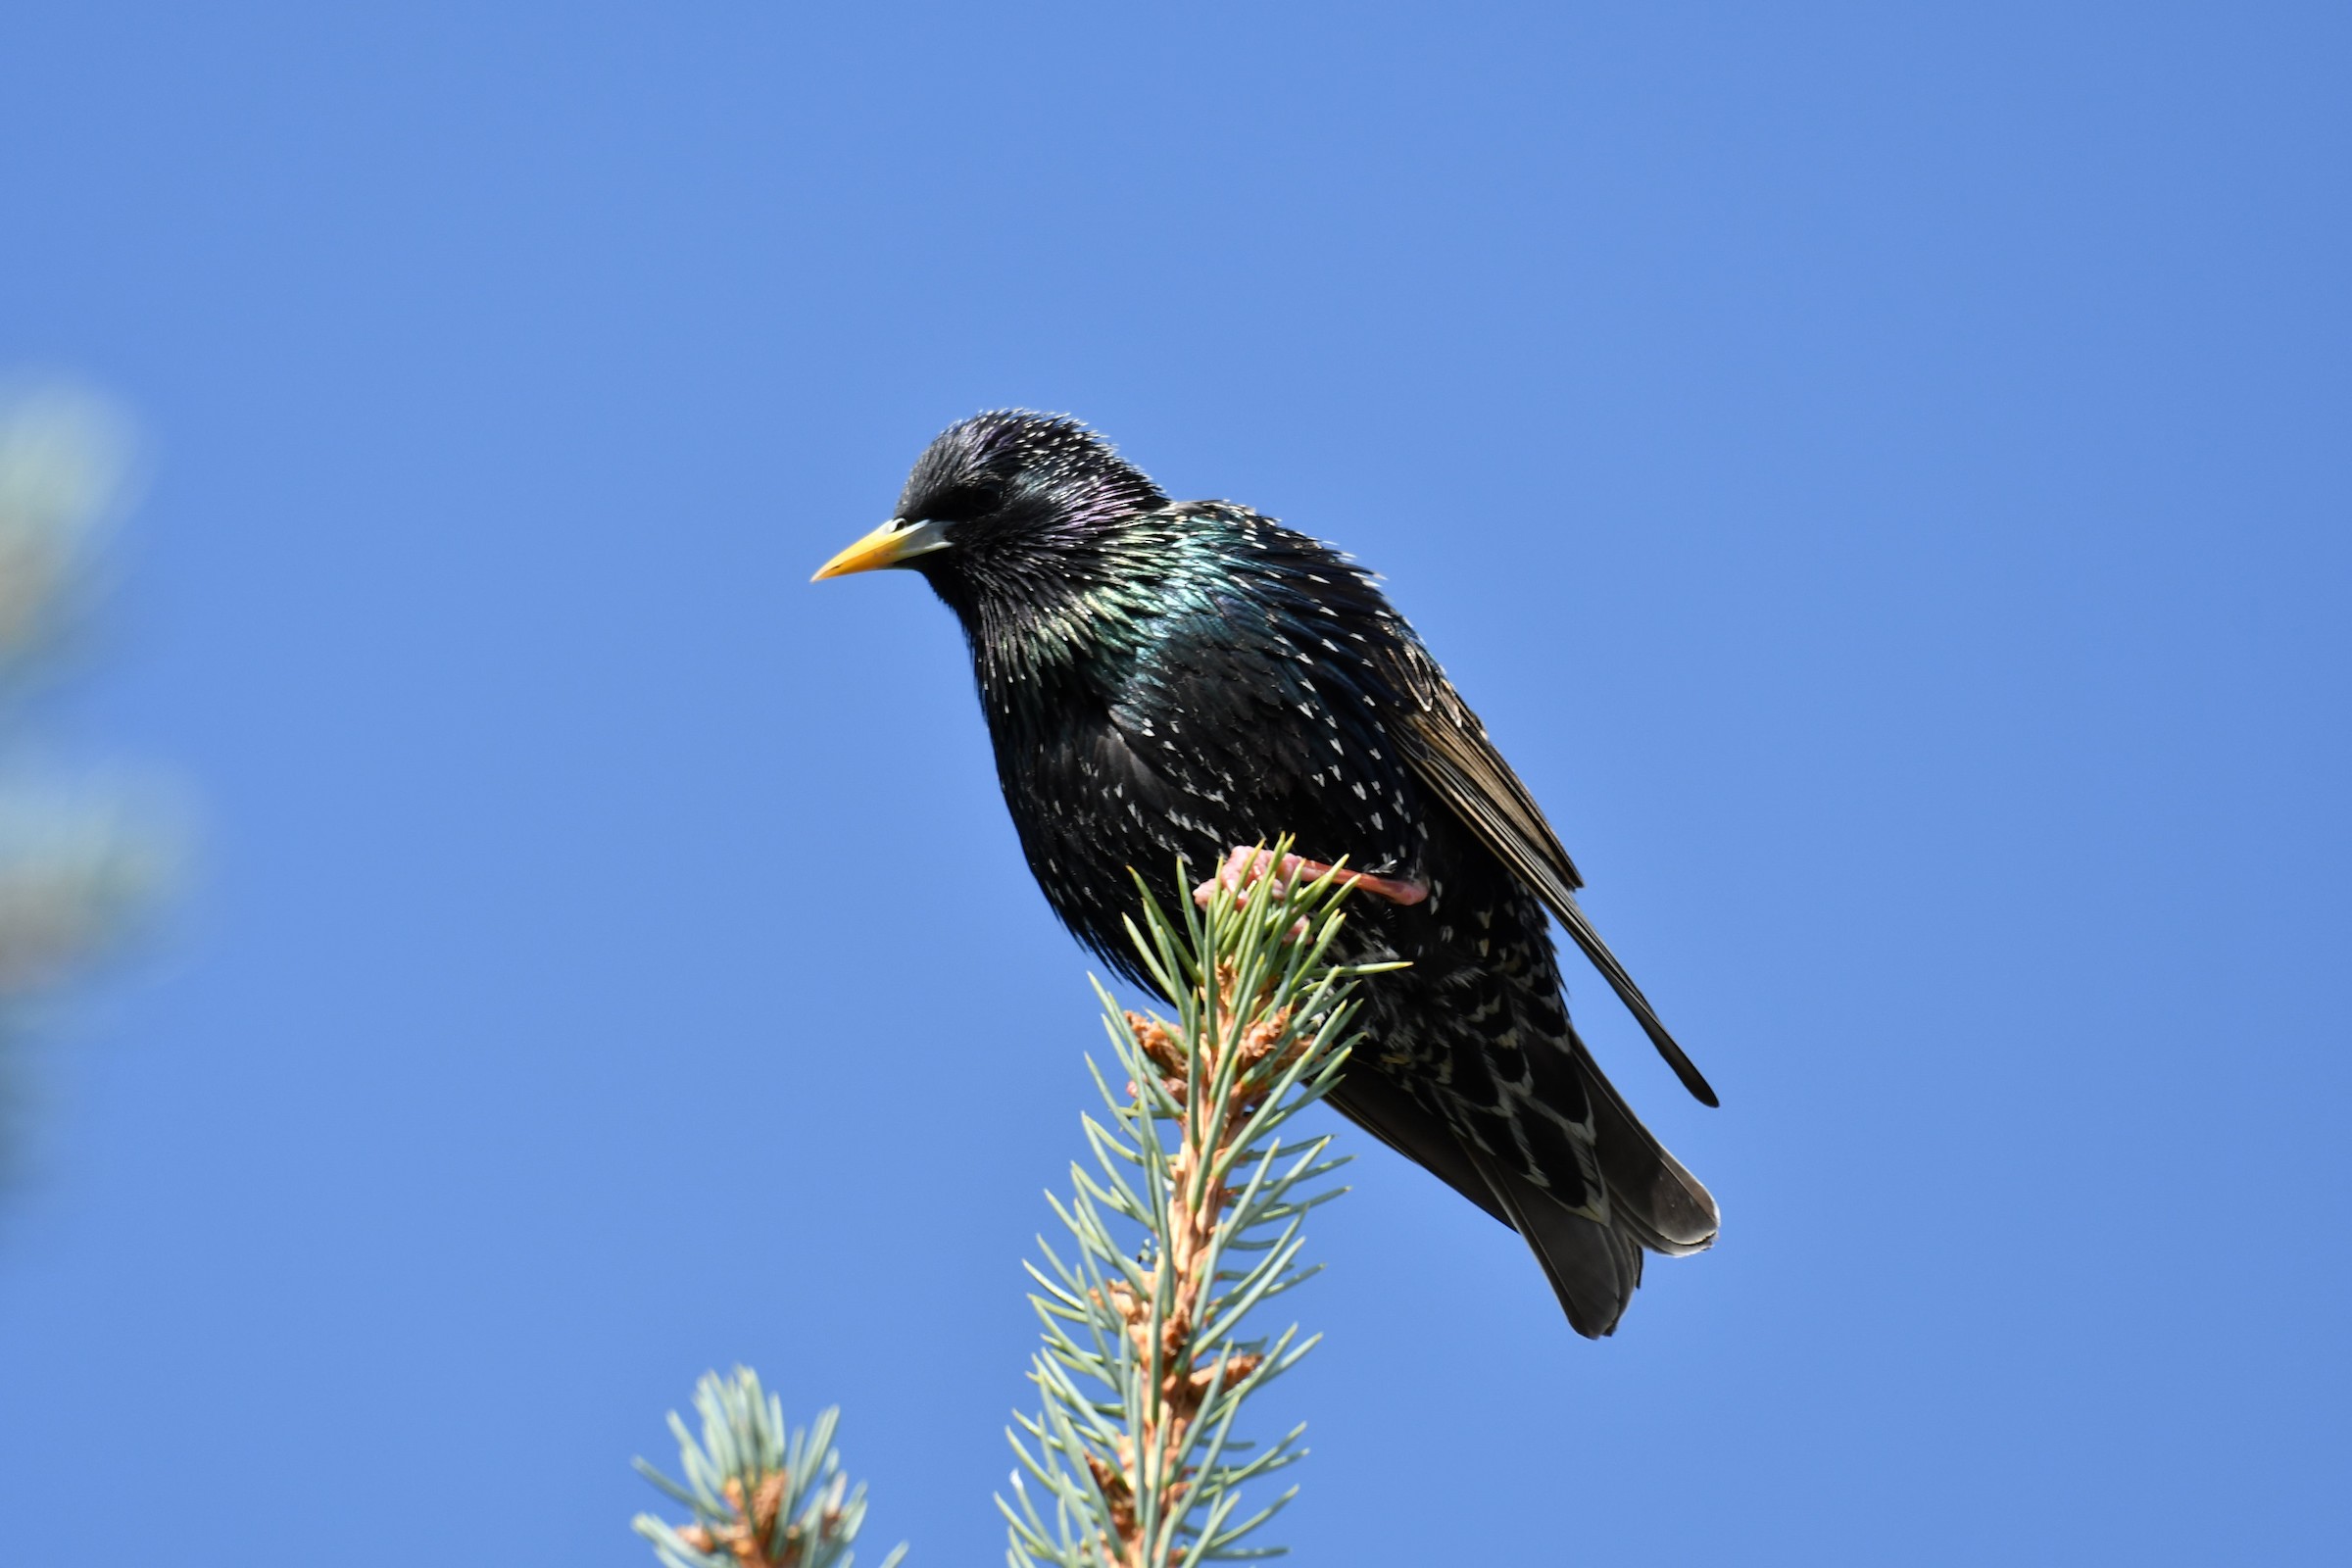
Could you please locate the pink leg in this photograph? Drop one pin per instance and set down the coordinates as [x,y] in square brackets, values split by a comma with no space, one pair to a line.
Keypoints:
[1245,866]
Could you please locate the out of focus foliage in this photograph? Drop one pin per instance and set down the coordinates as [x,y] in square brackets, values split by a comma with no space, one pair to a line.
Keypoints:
[82,848]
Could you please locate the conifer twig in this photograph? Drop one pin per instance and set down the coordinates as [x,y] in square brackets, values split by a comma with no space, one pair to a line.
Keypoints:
[764,1494]
[1189,1219]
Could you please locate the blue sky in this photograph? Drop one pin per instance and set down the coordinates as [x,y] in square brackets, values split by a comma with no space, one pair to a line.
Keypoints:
[1881,472]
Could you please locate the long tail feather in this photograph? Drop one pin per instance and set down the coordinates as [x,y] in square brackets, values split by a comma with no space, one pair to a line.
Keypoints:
[1593,1268]
[1650,1193]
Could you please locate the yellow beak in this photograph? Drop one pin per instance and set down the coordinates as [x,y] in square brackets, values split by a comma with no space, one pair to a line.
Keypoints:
[890,545]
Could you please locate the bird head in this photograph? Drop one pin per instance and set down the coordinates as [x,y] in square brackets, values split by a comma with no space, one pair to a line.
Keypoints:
[1008,505]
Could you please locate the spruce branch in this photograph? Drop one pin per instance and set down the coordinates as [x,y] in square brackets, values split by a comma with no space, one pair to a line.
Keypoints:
[1188,1220]
[764,1494]
[84,854]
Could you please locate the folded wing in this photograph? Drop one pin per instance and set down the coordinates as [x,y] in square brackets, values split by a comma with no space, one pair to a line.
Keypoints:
[1447,750]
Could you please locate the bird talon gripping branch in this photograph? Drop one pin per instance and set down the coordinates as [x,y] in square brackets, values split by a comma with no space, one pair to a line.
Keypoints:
[1248,865]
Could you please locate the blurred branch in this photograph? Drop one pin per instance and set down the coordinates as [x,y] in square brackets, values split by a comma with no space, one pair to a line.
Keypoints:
[64,458]
[79,855]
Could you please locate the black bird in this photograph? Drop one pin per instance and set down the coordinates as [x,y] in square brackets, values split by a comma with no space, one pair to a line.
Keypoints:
[1175,678]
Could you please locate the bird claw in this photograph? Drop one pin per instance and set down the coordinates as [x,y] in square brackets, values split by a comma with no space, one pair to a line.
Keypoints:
[1248,865]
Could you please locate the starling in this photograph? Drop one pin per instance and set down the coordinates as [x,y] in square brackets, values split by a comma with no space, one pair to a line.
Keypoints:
[1168,680]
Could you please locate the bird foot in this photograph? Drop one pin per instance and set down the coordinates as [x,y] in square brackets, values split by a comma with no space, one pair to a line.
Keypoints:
[1248,865]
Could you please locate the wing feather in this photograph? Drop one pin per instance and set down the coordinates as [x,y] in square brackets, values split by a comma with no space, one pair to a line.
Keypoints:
[1448,749]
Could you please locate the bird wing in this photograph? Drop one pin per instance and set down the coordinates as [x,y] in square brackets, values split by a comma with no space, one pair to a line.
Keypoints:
[1447,750]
